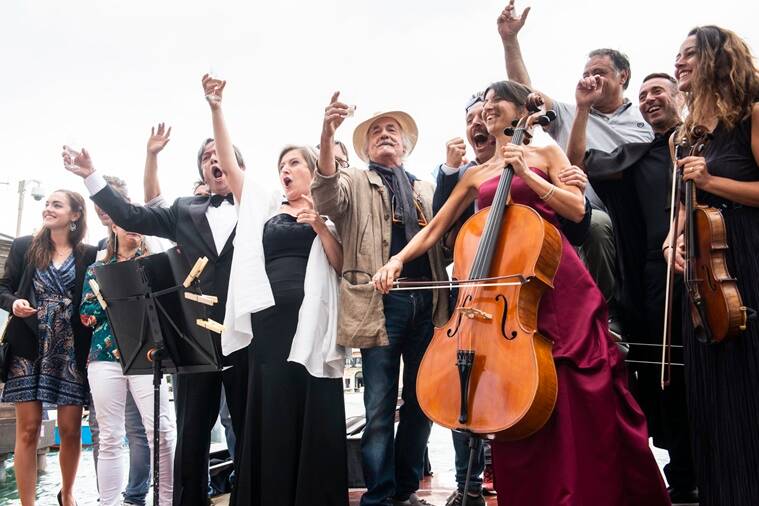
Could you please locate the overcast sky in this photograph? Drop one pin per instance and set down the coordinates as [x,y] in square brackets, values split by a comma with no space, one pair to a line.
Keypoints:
[99,74]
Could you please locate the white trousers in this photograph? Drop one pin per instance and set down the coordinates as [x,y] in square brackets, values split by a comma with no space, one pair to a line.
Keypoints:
[109,388]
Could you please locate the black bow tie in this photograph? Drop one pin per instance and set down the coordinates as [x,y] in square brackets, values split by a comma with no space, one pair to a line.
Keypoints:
[216,200]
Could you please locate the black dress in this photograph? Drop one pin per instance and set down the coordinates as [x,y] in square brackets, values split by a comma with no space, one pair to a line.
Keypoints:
[293,451]
[723,379]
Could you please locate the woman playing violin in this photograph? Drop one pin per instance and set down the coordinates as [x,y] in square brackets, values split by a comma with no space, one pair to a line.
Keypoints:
[596,428]
[716,71]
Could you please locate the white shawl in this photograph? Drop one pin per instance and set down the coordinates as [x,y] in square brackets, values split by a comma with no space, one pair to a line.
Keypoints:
[315,342]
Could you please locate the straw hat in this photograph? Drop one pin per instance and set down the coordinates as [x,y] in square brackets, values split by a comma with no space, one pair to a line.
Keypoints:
[407,123]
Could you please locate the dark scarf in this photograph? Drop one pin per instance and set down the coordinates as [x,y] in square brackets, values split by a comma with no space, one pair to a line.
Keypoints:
[403,190]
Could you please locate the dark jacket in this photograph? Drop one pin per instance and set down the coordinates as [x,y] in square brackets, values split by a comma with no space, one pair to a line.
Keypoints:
[16,283]
[185,224]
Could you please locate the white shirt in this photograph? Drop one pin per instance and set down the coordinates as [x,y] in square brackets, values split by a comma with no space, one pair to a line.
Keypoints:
[222,221]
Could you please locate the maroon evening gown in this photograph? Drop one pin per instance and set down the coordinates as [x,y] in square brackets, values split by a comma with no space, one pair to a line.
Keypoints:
[593,451]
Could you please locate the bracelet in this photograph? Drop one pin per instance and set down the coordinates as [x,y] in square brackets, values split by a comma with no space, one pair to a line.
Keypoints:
[548,194]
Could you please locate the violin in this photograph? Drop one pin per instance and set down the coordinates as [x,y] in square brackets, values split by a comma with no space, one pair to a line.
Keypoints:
[488,370]
[717,309]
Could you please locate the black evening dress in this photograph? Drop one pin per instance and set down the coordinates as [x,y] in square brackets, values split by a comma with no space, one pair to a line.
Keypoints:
[293,451]
[723,379]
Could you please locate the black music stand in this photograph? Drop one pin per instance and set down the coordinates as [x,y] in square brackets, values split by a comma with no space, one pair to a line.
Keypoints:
[155,324]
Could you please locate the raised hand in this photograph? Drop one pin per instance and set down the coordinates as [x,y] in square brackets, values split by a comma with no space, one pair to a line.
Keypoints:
[213,89]
[455,153]
[159,137]
[589,90]
[509,23]
[77,162]
[334,115]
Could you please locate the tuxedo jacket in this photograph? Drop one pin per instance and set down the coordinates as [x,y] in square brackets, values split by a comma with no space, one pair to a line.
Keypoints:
[16,283]
[185,224]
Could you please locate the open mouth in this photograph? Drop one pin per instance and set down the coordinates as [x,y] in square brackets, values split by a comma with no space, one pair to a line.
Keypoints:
[216,172]
[480,140]
[287,181]
[683,74]
[653,109]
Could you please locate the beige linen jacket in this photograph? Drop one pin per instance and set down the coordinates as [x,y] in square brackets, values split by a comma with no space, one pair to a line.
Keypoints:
[359,205]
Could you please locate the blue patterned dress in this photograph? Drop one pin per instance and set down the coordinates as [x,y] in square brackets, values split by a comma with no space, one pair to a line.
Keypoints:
[53,376]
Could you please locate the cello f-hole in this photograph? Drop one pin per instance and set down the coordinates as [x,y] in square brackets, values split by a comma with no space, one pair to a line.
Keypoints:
[504,315]
[452,332]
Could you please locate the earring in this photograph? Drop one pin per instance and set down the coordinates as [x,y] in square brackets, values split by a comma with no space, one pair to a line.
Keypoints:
[72,226]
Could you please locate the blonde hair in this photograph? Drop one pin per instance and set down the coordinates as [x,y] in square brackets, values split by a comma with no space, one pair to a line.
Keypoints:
[725,80]
[309,154]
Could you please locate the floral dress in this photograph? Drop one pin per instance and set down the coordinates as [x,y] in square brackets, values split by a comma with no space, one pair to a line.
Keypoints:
[53,376]
[103,345]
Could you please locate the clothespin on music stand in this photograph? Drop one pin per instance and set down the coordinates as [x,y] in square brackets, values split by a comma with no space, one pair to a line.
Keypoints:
[195,272]
[210,325]
[96,290]
[208,300]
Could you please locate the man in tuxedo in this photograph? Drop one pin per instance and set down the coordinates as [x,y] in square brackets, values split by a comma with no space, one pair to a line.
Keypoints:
[200,226]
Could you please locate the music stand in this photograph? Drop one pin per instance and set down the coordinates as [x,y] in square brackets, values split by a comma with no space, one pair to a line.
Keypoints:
[157,322]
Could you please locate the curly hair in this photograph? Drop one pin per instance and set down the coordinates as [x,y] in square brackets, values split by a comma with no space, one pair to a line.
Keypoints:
[725,80]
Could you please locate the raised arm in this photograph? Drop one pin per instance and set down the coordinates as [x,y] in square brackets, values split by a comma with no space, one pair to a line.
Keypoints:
[156,221]
[509,25]
[566,200]
[334,115]
[158,139]
[213,89]
[588,91]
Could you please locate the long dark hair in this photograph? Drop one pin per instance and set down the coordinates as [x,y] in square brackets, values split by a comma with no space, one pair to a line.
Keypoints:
[512,91]
[725,80]
[41,251]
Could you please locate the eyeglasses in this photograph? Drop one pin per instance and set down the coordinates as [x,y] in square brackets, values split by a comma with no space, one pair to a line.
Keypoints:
[398,218]
[474,99]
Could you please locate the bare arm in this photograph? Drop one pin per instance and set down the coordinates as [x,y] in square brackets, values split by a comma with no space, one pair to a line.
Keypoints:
[462,197]
[566,200]
[213,89]
[333,249]
[158,139]
[742,192]
[587,93]
[334,115]
[509,25]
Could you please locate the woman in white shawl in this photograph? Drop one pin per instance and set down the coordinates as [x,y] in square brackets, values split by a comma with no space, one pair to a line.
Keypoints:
[283,297]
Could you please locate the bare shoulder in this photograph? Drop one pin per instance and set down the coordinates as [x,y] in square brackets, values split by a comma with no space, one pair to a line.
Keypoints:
[549,155]
[475,176]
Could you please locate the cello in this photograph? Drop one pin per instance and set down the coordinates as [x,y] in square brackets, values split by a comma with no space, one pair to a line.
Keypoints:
[717,310]
[488,371]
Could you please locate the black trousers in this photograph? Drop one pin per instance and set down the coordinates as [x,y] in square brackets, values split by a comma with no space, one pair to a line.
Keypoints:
[197,397]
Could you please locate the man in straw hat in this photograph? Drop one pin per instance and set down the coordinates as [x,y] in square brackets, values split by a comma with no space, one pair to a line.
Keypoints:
[377,211]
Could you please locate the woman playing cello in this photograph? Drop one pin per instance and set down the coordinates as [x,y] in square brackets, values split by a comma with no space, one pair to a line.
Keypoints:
[594,448]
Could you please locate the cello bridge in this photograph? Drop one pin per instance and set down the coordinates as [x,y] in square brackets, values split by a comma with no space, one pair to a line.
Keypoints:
[471,313]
